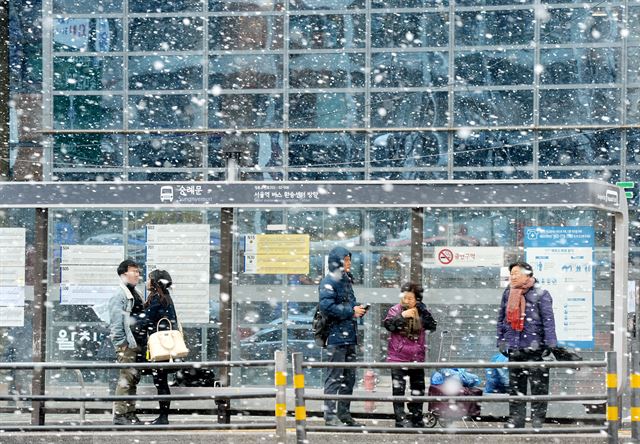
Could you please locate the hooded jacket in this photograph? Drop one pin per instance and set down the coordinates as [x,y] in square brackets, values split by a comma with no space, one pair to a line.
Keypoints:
[539,330]
[337,300]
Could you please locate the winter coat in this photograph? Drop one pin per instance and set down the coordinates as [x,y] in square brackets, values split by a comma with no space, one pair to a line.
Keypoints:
[337,300]
[539,324]
[120,320]
[402,348]
[148,324]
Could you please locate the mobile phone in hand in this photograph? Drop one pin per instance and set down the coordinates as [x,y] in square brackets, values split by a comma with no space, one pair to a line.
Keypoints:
[367,307]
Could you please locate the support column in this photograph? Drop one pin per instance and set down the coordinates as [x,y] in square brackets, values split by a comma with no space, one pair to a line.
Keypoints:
[39,312]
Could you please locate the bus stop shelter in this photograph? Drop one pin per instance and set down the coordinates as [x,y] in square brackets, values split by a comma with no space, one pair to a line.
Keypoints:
[417,197]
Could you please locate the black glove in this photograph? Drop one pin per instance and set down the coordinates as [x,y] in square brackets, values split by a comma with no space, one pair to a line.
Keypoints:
[503,349]
[547,354]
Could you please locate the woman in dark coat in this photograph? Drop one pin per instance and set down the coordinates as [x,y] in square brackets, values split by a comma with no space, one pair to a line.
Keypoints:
[159,305]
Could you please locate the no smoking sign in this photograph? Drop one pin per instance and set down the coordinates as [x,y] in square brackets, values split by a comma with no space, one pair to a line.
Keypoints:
[445,256]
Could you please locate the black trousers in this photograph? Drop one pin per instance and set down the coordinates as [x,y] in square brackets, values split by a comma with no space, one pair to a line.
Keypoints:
[399,384]
[538,379]
[339,381]
[161,381]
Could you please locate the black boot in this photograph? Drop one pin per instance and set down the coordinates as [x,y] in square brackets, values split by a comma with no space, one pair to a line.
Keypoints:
[401,417]
[163,419]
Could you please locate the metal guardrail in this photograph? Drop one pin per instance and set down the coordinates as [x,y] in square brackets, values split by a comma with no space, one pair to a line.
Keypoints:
[220,394]
[611,427]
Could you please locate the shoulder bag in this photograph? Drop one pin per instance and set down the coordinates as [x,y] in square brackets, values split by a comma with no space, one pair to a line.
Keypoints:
[166,345]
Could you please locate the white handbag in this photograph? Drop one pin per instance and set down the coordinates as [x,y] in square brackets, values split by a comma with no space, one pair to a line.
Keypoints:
[166,345]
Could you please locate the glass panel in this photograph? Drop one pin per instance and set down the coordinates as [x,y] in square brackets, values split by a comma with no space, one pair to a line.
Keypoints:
[493,108]
[579,106]
[633,25]
[633,175]
[166,151]
[580,65]
[606,175]
[86,6]
[494,67]
[409,69]
[409,30]
[633,64]
[87,73]
[104,175]
[165,72]
[326,71]
[585,148]
[245,111]
[408,149]
[85,150]
[581,25]
[433,174]
[632,102]
[500,174]
[244,33]
[87,35]
[334,150]
[491,2]
[409,109]
[160,175]
[171,111]
[163,6]
[323,174]
[327,31]
[509,149]
[245,5]
[260,150]
[246,71]
[302,5]
[326,110]
[479,28]
[159,34]
[633,147]
[87,112]
[408,3]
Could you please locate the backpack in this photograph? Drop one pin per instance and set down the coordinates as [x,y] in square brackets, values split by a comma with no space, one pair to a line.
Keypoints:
[320,328]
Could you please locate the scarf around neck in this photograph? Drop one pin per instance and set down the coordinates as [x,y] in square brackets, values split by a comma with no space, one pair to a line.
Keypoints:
[412,327]
[516,304]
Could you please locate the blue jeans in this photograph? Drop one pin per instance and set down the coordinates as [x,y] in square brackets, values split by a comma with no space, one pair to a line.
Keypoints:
[339,381]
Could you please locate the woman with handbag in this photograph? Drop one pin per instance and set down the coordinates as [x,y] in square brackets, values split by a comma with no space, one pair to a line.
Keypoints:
[159,313]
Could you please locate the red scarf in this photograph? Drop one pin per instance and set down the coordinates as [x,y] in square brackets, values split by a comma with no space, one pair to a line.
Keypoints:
[516,304]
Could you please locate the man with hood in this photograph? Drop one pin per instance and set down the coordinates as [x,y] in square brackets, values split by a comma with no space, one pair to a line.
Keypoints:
[338,304]
[125,311]
[526,331]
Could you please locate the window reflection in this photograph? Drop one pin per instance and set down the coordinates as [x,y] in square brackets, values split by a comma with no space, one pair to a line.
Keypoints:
[509,149]
[580,65]
[579,106]
[246,71]
[159,34]
[165,72]
[85,34]
[327,31]
[409,30]
[87,73]
[409,69]
[408,150]
[409,109]
[87,112]
[245,33]
[82,150]
[326,71]
[513,27]
[493,108]
[326,110]
[588,147]
[170,111]
[166,152]
[245,111]
[335,150]
[494,67]
[581,25]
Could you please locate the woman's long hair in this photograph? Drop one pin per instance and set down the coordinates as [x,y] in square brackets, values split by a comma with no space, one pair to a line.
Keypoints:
[160,282]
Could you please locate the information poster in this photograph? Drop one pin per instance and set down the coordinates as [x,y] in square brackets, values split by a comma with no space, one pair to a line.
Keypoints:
[184,251]
[88,273]
[276,254]
[12,276]
[562,259]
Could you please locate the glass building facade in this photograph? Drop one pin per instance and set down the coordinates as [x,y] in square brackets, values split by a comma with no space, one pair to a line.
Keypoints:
[146,90]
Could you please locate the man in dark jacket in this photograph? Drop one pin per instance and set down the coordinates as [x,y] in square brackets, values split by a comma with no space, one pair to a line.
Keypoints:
[526,331]
[338,303]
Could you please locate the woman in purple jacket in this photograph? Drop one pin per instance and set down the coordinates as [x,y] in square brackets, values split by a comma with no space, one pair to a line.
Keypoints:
[408,321]
[526,332]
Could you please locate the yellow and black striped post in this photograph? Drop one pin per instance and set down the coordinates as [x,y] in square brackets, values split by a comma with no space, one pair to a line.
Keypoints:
[613,412]
[635,395]
[301,408]
[281,396]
